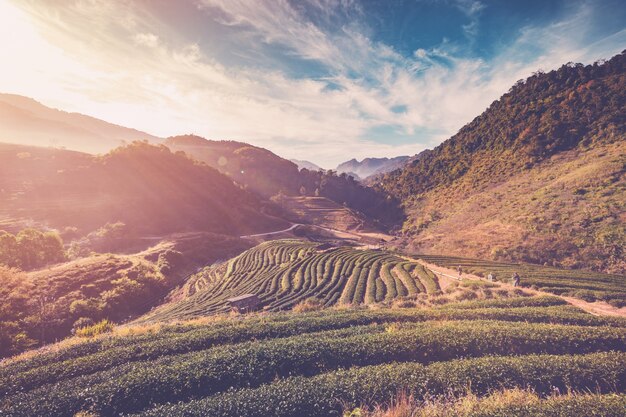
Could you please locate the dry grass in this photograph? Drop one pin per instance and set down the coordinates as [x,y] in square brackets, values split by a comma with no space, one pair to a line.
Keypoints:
[406,405]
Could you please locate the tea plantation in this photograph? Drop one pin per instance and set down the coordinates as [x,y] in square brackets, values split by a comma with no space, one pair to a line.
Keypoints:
[321,363]
[284,273]
[586,285]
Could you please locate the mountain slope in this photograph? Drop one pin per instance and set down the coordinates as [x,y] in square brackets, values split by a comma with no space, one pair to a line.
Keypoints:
[267,174]
[256,168]
[540,176]
[149,188]
[372,166]
[26,121]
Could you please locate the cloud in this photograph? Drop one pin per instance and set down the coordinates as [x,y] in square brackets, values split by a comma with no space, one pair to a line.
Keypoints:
[147,39]
[118,61]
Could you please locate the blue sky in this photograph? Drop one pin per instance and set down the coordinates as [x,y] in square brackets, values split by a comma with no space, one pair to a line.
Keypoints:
[321,80]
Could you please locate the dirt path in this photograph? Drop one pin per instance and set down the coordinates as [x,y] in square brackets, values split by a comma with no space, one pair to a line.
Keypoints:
[598,308]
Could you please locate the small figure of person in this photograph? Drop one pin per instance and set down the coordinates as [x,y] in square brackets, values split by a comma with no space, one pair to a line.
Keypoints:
[460,271]
[516,279]
[490,277]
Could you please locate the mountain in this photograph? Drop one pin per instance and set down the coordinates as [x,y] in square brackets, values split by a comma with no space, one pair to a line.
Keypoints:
[26,121]
[306,164]
[538,177]
[265,173]
[147,187]
[372,166]
[255,168]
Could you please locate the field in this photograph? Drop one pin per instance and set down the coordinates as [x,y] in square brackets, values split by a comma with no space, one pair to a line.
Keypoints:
[322,363]
[284,273]
[588,286]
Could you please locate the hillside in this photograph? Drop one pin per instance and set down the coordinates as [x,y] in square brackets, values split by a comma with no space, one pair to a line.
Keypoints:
[328,362]
[42,305]
[28,122]
[539,177]
[372,166]
[269,175]
[148,188]
[284,273]
[256,168]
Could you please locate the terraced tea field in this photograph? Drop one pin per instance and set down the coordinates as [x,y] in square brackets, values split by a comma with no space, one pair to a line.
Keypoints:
[586,285]
[322,363]
[284,273]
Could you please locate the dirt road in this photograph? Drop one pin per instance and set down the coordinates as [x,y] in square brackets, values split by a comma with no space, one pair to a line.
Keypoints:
[598,308]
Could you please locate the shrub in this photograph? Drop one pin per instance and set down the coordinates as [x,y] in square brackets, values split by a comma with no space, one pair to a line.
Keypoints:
[81,323]
[327,394]
[101,327]
[251,364]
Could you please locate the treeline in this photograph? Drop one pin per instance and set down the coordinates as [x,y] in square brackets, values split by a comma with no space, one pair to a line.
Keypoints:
[30,249]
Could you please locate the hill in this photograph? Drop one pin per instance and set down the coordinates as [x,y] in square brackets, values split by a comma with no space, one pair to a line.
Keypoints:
[328,362]
[269,175]
[28,122]
[372,166]
[146,187]
[42,305]
[283,273]
[256,168]
[539,177]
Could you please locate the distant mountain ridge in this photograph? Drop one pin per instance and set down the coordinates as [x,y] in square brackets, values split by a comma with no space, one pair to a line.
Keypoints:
[306,165]
[25,121]
[372,166]
[539,177]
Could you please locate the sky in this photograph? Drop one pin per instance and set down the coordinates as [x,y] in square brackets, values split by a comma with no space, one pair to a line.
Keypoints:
[319,80]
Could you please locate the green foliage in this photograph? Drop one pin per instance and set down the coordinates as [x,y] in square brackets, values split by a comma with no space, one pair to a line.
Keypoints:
[30,249]
[328,393]
[284,273]
[254,363]
[588,286]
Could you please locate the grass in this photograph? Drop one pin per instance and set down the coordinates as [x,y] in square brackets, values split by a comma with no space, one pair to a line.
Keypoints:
[511,403]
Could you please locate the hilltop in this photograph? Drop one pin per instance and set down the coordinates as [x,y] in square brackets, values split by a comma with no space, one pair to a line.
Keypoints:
[539,177]
[28,122]
[149,189]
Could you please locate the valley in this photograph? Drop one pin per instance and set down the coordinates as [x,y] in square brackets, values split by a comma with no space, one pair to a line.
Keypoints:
[185,276]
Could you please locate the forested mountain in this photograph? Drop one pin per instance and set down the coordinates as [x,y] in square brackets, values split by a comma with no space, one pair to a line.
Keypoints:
[148,188]
[28,122]
[372,166]
[539,176]
[267,174]
[255,168]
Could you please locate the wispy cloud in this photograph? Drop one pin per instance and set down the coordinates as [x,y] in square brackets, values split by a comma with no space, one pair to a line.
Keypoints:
[118,61]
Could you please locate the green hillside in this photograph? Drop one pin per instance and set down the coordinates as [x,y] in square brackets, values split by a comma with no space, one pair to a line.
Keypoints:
[284,273]
[539,177]
[320,363]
